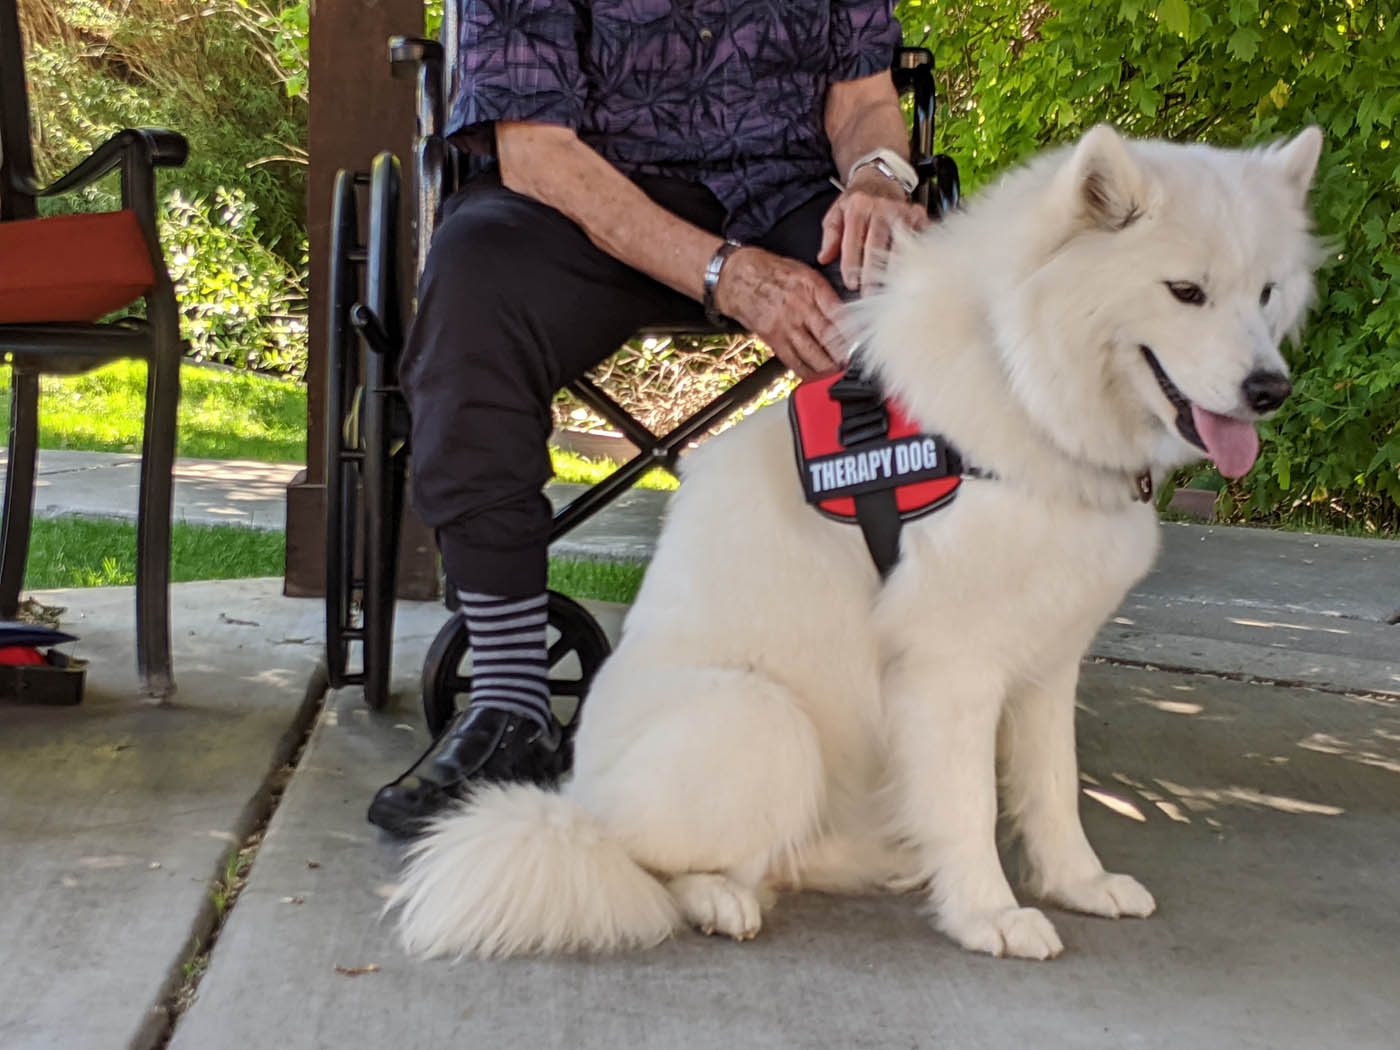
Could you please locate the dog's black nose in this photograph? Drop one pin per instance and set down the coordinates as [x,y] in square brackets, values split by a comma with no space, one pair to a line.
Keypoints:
[1265,391]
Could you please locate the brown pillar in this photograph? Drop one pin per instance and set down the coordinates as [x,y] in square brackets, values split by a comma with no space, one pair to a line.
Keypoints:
[357,109]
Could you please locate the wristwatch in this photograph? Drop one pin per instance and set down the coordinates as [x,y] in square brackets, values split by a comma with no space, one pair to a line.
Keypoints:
[889,164]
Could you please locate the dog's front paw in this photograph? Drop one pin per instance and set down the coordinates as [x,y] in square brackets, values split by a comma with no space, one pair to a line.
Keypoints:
[1024,933]
[716,904]
[1112,896]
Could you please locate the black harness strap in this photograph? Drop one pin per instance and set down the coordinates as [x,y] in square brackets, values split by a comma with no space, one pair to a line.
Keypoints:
[866,421]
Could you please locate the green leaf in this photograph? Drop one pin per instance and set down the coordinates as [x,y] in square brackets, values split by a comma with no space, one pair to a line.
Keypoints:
[1176,16]
[1243,43]
[1143,97]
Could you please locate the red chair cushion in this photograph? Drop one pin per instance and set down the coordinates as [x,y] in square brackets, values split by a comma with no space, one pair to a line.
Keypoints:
[71,267]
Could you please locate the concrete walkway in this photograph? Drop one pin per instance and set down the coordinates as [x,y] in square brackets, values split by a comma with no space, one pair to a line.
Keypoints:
[207,491]
[1265,817]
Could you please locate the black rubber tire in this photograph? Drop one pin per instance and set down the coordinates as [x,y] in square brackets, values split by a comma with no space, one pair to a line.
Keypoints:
[383,466]
[573,632]
[342,436]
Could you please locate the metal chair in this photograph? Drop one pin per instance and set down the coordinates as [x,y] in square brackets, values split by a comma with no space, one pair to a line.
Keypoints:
[367,451]
[58,276]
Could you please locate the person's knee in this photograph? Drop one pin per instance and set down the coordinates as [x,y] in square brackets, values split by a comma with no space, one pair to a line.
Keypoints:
[479,301]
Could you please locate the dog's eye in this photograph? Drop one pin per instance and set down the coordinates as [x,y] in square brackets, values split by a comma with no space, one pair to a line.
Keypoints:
[1187,292]
[1266,294]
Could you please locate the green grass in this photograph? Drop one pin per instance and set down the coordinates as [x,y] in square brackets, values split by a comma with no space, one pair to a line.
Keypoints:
[604,581]
[224,414]
[569,466]
[75,551]
[101,552]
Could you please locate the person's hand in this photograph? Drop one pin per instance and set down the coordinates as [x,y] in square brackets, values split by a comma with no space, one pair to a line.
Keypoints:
[860,224]
[788,305]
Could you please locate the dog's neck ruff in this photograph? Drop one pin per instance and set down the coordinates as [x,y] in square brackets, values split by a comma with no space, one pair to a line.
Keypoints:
[863,461]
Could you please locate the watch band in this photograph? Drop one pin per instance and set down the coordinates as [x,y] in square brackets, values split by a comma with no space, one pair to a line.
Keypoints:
[889,164]
[712,272]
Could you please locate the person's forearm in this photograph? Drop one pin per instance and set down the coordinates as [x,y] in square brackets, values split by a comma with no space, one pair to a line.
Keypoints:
[552,165]
[862,116]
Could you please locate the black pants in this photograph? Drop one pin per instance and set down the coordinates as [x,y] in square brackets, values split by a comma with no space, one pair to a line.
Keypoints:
[515,303]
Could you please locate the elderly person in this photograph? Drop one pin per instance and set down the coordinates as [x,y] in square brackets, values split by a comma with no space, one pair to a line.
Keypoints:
[653,159]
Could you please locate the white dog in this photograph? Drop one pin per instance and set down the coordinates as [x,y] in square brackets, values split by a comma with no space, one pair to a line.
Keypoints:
[778,716]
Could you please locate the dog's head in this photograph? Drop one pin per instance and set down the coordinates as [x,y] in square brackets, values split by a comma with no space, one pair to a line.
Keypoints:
[1164,280]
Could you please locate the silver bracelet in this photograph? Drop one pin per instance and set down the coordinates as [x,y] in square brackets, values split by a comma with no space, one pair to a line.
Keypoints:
[712,272]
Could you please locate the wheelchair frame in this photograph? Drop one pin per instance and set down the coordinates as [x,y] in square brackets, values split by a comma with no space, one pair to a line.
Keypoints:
[367,418]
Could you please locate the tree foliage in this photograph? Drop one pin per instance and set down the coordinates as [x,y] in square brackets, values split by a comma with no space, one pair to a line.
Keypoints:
[1017,76]
[223,73]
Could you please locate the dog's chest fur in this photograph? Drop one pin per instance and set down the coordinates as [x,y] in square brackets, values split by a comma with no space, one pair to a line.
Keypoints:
[1020,580]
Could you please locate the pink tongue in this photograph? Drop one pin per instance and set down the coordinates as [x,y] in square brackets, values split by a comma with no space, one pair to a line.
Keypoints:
[1231,443]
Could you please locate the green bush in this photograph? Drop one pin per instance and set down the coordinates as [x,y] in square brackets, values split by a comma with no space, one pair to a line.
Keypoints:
[242,304]
[223,73]
[1017,76]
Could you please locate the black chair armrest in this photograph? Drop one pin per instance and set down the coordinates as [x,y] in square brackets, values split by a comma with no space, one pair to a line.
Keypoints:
[147,148]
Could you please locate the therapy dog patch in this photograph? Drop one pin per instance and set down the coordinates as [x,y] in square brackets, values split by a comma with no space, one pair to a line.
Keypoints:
[891,453]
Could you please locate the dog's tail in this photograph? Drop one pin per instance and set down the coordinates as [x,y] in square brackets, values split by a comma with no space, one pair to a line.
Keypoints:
[518,870]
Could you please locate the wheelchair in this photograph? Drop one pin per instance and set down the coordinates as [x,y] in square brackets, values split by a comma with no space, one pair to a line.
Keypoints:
[367,417]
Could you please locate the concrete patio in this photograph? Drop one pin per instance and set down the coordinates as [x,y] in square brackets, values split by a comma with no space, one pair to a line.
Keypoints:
[1265,818]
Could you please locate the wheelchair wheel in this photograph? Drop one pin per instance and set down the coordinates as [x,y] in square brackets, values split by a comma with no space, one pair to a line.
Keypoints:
[577,647]
[385,454]
[343,445]
[365,452]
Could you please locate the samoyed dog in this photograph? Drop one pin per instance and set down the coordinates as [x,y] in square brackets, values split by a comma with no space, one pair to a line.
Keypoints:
[779,717]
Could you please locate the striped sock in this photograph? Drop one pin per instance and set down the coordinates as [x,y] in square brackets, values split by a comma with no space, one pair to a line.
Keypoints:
[510,666]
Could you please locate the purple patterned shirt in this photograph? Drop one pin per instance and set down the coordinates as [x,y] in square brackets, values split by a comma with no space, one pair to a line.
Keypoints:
[729,93]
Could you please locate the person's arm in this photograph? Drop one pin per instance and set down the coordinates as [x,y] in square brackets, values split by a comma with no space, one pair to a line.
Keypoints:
[786,304]
[864,115]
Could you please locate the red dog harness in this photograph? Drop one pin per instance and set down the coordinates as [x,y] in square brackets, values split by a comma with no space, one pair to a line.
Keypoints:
[864,461]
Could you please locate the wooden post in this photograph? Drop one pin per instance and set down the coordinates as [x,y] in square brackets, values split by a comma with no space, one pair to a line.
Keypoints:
[357,109]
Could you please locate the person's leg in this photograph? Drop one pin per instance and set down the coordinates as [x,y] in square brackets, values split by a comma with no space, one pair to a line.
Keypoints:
[514,303]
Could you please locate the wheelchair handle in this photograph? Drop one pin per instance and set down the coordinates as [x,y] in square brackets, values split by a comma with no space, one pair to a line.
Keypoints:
[406,52]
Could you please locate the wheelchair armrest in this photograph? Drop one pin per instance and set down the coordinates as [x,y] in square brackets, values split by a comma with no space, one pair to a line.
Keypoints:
[134,148]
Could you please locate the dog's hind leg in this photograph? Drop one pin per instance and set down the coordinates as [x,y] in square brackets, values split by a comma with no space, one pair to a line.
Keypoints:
[1042,798]
[942,722]
[708,790]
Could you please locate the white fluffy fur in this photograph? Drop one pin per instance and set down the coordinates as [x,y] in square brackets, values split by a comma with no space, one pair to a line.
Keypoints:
[775,717]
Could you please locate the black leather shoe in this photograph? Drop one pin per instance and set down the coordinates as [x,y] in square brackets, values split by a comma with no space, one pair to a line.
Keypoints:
[479,744]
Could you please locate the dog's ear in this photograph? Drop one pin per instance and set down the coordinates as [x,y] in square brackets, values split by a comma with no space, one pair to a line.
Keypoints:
[1105,184]
[1297,160]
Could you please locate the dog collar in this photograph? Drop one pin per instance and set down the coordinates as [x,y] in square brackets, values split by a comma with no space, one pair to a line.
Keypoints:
[863,461]
[1142,484]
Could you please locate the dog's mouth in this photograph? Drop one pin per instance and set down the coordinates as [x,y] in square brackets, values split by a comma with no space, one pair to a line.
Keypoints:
[1232,444]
